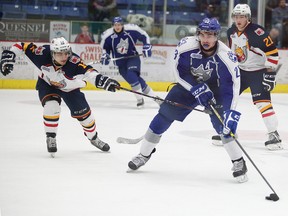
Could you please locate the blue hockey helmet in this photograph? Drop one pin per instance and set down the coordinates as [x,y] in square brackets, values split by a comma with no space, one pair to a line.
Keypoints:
[117,20]
[209,25]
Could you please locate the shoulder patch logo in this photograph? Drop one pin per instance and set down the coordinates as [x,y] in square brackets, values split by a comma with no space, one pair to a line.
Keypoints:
[39,50]
[74,59]
[232,56]
[259,31]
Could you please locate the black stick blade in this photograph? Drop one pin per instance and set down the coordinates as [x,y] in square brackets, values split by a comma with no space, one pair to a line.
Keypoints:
[274,197]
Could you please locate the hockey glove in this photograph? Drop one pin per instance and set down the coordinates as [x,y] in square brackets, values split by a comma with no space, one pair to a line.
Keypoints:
[7,62]
[230,122]
[147,50]
[269,81]
[203,94]
[106,83]
[105,59]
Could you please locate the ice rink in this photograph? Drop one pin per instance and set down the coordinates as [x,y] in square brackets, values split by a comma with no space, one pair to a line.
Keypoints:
[187,176]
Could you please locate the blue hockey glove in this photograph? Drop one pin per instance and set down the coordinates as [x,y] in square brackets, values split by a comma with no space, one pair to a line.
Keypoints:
[203,94]
[106,83]
[230,122]
[105,59]
[269,81]
[147,50]
[7,62]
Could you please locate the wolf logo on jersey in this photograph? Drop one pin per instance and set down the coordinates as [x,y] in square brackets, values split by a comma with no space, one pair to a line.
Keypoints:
[123,46]
[201,74]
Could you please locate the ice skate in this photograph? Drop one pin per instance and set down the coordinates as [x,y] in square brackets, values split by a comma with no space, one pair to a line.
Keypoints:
[216,140]
[239,170]
[274,141]
[95,141]
[51,144]
[140,103]
[139,161]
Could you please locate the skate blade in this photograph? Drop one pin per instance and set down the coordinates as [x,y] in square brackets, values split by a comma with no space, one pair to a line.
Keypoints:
[130,170]
[242,178]
[52,155]
[274,147]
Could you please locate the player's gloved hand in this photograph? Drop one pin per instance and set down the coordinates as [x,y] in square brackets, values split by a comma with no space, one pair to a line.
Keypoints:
[269,80]
[147,50]
[203,94]
[230,122]
[106,83]
[7,62]
[105,59]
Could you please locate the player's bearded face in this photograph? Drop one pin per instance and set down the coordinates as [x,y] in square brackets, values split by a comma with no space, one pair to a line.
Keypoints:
[207,39]
[61,57]
[117,27]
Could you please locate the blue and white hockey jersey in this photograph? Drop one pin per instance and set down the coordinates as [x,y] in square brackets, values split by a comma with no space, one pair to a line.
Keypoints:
[123,43]
[219,71]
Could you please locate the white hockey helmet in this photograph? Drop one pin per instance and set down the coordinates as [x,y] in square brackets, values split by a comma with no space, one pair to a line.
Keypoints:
[242,9]
[60,45]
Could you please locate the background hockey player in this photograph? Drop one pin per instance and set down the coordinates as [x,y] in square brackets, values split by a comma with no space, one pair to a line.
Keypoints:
[61,75]
[258,58]
[120,41]
[207,72]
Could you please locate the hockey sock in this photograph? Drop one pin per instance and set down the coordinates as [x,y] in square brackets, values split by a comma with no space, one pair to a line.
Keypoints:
[232,148]
[149,142]
[268,115]
[149,91]
[138,89]
[89,126]
[51,115]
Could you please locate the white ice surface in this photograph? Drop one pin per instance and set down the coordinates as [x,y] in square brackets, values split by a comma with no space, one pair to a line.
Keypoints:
[186,176]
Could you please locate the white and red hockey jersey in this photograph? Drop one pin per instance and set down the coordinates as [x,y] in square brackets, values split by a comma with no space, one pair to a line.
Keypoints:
[253,47]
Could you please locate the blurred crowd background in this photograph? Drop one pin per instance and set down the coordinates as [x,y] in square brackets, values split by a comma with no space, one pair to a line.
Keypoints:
[166,21]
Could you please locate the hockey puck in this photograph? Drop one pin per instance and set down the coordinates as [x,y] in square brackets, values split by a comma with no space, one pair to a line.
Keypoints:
[274,197]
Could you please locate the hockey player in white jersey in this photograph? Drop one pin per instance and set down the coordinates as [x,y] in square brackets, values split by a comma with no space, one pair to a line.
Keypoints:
[207,73]
[119,41]
[258,58]
[61,76]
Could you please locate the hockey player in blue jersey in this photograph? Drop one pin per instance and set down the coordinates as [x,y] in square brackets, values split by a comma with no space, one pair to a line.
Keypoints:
[258,59]
[120,41]
[61,75]
[207,73]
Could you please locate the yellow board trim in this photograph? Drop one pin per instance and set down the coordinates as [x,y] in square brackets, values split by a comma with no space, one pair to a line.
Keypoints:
[156,86]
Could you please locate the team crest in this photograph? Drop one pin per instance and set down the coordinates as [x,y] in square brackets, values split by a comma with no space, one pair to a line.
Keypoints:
[201,74]
[241,53]
[60,84]
[122,46]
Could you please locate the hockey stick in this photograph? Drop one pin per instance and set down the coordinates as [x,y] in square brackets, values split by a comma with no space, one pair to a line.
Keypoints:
[164,100]
[115,59]
[272,196]
[124,140]
[137,140]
